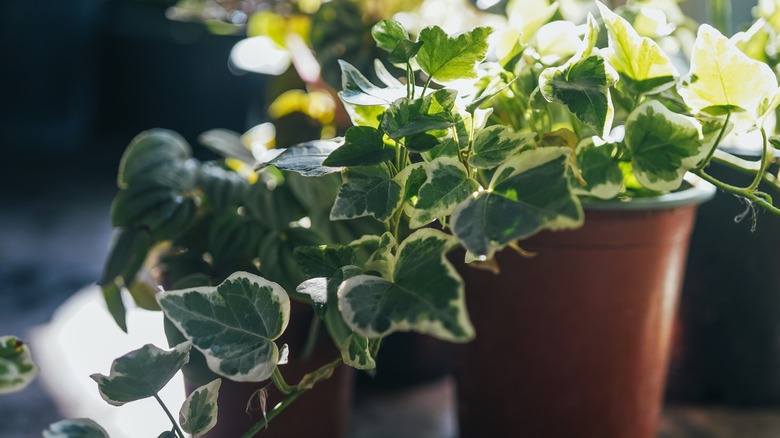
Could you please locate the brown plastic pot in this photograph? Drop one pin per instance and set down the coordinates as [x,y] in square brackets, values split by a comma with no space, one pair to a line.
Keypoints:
[574,341]
[322,412]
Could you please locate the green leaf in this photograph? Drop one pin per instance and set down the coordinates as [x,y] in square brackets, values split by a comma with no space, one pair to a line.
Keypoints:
[494,144]
[226,143]
[355,353]
[528,193]
[367,191]
[323,261]
[233,238]
[150,154]
[446,58]
[307,158]
[380,261]
[17,369]
[425,294]
[584,88]
[387,34]
[664,145]
[447,185]
[129,248]
[167,434]
[599,169]
[363,146]
[77,428]
[198,414]
[233,325]
[223,188]
[357,90]
[407,117]
[362,115]
[411,178]
[640,61]
[141,373]
[404,51]
[112,295]
[724,79]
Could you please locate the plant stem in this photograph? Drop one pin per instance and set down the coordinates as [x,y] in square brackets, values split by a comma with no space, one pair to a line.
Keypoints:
[714,147]
[273,413]
[721,15]
[280,383]
[745,166]
[765,159]
[311,338]
[425,87]
[750,195]
[170,416]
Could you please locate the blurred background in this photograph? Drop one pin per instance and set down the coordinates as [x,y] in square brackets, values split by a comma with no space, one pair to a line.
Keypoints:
[78,80]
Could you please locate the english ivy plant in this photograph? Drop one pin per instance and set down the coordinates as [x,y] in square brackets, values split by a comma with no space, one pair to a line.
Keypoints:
[17,370]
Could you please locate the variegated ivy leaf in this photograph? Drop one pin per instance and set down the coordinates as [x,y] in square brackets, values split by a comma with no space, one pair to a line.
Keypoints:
[407,117]
[448,58]
[381,260]
[76,428]
[723,79]
[425,293]
[307,158]
[528,193]
[411,178]
[599,169]
[367,191]
[17,369]
[141,373]
[493,145]
[357,90]
[387,34]
[363,146]
[198,414]
[355,353]
[664,145]
[233,324]
[447,185]
[582,84]
[641,63]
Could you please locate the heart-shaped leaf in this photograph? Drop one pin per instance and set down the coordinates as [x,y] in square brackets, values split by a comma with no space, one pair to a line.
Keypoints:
[17,369]
[355,353]
[724,79]
[640,61]
[425,293]
[528,193]
[77,428]
[664,145]
[448,58]
[447,185]
[367,191]
[198,414]
[233,325]
[141,373]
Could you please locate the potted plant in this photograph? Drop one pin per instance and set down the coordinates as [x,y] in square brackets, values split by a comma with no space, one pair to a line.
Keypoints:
[538,140]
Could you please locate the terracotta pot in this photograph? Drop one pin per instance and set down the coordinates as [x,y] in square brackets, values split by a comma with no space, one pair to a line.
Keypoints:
[574,342]
[322,412]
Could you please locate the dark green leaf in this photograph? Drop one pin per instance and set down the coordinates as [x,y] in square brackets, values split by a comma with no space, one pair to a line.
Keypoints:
[112,295]
[150,154]
[446,58]
[233,325]
[129,248]
[407,117]
[307,158]
[363,146]
[367,191]
[446,186]
[141,373]
[223,188]
[77,428]
[17,369]
[493,145]
[323,261]
[198,414]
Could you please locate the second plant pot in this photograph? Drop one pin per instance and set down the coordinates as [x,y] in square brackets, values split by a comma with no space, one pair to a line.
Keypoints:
[574,341]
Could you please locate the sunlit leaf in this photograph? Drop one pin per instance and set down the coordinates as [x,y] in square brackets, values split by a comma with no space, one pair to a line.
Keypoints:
[387,34]
[494,144]
[599,169]
[447,58]
[367,191]
[357,90]
[407,117]
[363,146]
[141,373]
[307,158]
[233,325]
[447,185]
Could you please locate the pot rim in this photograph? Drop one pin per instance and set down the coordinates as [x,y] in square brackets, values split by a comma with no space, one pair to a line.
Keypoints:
[697,192]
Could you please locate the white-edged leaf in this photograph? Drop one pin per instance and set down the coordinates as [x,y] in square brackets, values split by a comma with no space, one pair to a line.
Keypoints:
[198,414]
[17,369]
[447,185]
[367,191]
[599,169]
[75,428]
[141,373]
[357,90]
[233,324]
[355,353]
[494,144]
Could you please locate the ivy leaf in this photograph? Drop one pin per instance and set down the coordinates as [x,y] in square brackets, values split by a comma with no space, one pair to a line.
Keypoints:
[141,373]
[640,61]
[387,34]
[355,353]
[425,294]
[76,428]
[599,169]
[198,414]
[323,261]
[404,51]
[664,145]
[152,153]
[723,79]
[17,369]
[447,185]
[494,144]
[527,194]
[367,191]
[357,90]
[446,58]
[411,178]
[363,146]
[407,117]
[307,158]
[233,325]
